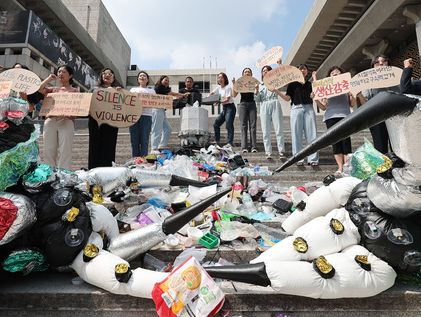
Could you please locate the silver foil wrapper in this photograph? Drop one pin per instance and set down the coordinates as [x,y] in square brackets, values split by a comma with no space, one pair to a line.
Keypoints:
[26,216]
[133,243]
[151,178]
[110,178]
[393,198]
[405,133]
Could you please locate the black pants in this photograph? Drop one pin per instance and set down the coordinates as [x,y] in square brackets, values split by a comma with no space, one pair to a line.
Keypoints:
[343,146]
[380,137]
[102,144]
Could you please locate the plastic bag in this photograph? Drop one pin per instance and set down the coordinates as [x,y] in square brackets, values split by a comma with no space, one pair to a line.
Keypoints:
[365,160]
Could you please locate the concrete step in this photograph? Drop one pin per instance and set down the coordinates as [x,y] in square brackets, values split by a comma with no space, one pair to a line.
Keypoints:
[54,295]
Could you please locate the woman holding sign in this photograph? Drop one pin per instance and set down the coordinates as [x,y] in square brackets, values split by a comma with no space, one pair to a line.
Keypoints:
[270,113]
[141,130]
[336,108]
[103,138]
[248,115]
[59,131]
[228,109]
[161,128]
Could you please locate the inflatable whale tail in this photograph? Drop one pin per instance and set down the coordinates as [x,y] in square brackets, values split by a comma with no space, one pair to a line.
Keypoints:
[378,109]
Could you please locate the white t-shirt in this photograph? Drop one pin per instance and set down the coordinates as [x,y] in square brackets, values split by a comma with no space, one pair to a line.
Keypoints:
[146,90]
[224,92]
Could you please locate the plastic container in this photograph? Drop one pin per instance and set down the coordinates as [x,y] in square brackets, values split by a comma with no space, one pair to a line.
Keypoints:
[209,241]
[194,234]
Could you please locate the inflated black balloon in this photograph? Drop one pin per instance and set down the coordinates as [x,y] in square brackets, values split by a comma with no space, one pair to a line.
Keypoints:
[378,230]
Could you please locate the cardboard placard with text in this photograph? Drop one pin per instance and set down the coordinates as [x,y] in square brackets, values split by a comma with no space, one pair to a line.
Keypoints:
[155,101]
[331,86]
[23,80]
[66,104]
[270,57]
[118,108]
[377,77]
[245,84]
[282,76]
[5,87]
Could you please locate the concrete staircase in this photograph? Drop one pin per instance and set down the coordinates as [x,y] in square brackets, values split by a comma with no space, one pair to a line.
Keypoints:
[62,294]
[294,175]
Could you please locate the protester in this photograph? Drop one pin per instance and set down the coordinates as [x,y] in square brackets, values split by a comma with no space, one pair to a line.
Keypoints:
[102,138]
[302,118]
[379,131]
[407,85]
[161,128]
[194,94]
[270,114]
[336,108]
[59,130]
[228,110]
[247,113]
[141,130]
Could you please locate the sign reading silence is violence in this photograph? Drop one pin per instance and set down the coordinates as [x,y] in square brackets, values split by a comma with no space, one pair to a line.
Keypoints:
[116,107]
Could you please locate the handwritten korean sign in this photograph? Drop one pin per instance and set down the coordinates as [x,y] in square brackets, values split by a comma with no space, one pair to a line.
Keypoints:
[155,101]
[118,108]
[66,104]
[331,86]
[270,57]
[245,84]
[377,77]
[282,76]
[5,87]
[23,80]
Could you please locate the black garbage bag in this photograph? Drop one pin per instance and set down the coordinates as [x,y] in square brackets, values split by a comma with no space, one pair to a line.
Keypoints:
[395,240]
[14,135]
[63,225]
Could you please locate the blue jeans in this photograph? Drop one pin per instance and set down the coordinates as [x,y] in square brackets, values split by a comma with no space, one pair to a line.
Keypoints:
[161,129]
[227,115]
[271,113]
[139,136]
[303,120]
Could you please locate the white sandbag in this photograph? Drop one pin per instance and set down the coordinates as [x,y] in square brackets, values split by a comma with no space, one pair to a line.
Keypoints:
[143,281]
[321,201]
[319,237]
[349,280]
[103,220]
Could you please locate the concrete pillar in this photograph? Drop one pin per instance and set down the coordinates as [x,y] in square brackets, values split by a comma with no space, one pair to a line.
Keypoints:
[26,51]
[8,51]
[413,12]
[40,61]
[372,51]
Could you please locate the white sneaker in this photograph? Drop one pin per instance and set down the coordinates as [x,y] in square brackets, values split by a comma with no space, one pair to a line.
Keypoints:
[269,156]
[254,150]
[155,152]
[244,150]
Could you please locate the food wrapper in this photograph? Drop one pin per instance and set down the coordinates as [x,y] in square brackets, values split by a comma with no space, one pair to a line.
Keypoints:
[188,291]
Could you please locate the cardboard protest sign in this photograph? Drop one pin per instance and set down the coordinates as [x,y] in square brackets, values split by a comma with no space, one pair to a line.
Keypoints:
[5,87]
[245,84]
[331,86]
[118,108]
[23,80]
[282,76]
[270,57]
[66,104]
[377,77]
[155,101]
